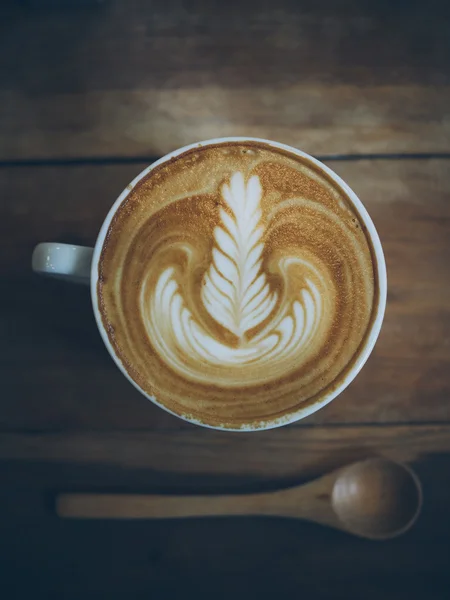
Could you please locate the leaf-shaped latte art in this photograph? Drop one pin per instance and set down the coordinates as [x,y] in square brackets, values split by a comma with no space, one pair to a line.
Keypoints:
[235,291]
[237,296]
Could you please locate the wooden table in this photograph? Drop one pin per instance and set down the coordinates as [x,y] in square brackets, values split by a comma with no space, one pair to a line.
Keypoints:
[88,96]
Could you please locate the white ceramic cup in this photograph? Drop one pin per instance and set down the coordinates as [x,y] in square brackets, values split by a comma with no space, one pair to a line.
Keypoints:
[80,265]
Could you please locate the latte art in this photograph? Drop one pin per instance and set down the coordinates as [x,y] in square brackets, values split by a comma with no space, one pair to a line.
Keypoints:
[236,284]
[237,296]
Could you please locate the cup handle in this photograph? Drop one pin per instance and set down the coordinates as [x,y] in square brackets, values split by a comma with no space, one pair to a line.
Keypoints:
[63,261]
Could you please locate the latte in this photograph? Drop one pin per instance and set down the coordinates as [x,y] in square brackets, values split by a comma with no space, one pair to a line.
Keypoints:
[237,284]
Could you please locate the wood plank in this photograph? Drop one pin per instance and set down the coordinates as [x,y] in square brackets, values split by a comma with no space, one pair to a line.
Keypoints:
[128,78]
[200,457]
[241,557]
[234,558]
[56,374]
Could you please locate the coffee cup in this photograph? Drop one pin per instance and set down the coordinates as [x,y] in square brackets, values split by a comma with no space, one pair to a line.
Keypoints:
[238,283]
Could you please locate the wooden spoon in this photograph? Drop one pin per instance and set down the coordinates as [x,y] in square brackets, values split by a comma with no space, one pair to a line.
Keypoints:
[376,499]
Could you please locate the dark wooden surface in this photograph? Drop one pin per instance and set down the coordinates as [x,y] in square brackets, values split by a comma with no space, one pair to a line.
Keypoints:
[87,97]
[127,79]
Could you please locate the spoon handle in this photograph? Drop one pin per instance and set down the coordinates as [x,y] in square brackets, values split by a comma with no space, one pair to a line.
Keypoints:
[311,501]
[130,506]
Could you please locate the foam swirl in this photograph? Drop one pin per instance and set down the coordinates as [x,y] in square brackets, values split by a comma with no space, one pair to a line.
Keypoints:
[245,290]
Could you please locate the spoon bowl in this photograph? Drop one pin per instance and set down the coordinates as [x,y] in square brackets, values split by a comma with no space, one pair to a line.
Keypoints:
[377,498]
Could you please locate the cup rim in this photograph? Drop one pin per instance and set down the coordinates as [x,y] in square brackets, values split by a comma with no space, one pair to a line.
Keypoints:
[374,327]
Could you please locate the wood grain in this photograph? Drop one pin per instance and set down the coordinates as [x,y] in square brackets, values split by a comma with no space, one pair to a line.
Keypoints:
[71,383]
[199,457]
[127,78]
[236,558]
